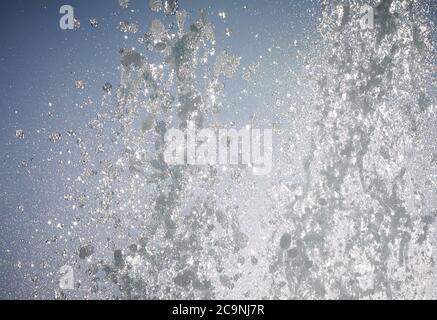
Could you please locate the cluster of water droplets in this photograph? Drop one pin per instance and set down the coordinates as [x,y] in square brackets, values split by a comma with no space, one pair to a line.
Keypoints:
[177,228]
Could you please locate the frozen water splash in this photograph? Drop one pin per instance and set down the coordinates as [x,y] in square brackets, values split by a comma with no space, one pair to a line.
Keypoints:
[357,225]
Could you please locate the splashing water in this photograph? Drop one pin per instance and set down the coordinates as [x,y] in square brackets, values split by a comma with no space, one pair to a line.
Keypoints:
[357,223]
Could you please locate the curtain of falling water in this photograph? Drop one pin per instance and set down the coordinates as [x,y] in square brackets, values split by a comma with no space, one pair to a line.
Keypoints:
[358,227]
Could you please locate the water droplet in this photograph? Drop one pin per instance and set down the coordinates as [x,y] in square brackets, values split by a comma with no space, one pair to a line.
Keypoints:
[19,134]
[222,15]
[285,241]
[107,87]
[80,84]
[124,3]
[170,7]
[86,252]
[55,136]
[155,5]
[94,23]
[76,24]
[148,123]
[128,27]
